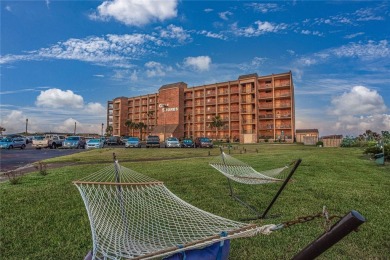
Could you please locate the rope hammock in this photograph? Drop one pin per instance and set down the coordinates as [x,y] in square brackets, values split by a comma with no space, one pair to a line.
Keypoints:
[133,216]
[241,172]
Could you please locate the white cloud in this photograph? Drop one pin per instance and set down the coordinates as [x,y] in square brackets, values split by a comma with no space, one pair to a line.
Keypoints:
[8,8]
[364,51]
[213,35]
[56,98]
[136,12]
[225,15]
[94,108]
[265,7]
[358,110]
[354,35]
[109,50]
[200,63]
[208,10]
[175,32]
[156,69]
[359,101]
[368,51]
[258,29]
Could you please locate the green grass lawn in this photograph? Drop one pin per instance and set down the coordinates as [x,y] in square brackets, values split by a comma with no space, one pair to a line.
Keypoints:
[43,217]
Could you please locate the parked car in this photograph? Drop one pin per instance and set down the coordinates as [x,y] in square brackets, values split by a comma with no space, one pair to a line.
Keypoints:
[10,143]
[153,141]
[133,142]
[12,136]
[114,140]
[203,142]
[94,143]
[74,142]
[187,143]
[172,142]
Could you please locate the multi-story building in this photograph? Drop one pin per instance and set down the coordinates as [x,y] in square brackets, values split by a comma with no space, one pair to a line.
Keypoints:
[252,108]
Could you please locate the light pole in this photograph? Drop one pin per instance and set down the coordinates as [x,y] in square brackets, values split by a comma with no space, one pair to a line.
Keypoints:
[165,122]
[26,125]
[102,128]
[74,132]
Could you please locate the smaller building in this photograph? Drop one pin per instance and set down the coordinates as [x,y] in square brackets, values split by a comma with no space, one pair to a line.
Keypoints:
[332,140]
[307,136]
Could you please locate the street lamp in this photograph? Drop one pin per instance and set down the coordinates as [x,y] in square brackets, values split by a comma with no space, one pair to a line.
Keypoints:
[74,132]
[164,107]
[102,128]
[26,125]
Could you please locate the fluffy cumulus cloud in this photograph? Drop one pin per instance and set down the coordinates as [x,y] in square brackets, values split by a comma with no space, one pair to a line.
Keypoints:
[359,101]
[136,12]
[57,98]
[360,109]
[200,63]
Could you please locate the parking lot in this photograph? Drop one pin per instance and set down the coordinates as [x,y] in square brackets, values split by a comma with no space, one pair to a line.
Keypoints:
[16,158]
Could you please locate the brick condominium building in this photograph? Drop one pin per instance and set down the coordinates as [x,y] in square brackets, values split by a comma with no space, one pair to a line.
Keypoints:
[253,108]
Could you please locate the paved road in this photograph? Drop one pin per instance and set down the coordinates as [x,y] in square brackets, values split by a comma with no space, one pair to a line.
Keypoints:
[16,158]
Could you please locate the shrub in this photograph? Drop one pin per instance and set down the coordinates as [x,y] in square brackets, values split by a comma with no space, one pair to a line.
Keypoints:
[320,143]
[42,168]
[14,177]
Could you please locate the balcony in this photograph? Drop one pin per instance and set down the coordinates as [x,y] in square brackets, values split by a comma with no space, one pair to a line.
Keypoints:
[233,90]
[201,111]
[266,127]
[210,102]
[209,111]
[267,116]
[223,109]
[265,96]
[189,104]
[247,101]
[247,121]
[223,92]
[199,103]
[223,101]
[284,105]
[266,105]
[282,95]
[199,120]
[283,126]
[210,94]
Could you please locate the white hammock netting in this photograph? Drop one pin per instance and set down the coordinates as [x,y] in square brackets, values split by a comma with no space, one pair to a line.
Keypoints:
[241,172]
[133,216]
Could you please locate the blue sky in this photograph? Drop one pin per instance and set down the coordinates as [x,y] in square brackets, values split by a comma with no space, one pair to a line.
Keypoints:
[62,60]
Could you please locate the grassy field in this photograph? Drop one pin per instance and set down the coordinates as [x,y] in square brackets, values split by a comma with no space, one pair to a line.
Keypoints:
[43,217]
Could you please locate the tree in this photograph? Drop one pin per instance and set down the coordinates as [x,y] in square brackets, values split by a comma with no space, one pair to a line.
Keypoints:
[109,130]
[129,125]
[2,129]
[142,126]
[217,123]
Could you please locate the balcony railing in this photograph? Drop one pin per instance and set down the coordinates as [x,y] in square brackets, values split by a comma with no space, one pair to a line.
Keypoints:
[268,126]
[248,121]
[266,116]
[199,103]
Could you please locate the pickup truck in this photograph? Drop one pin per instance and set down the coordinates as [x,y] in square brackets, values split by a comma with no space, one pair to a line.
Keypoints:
[153,141]
[48,141]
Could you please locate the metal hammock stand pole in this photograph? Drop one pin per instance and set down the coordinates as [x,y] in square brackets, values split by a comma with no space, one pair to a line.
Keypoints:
[253,209]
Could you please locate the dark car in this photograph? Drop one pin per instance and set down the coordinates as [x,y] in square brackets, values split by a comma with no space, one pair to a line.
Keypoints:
[114,140]
[203,142]
[153,141]
[187,143]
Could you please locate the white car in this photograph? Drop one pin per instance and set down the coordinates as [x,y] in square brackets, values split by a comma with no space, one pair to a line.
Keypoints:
[94,143]
[172,142]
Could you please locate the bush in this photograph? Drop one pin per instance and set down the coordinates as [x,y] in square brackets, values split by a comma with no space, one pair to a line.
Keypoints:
[320,143]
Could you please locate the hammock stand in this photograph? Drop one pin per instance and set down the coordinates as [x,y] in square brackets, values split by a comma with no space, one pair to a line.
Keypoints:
[263,179]
[133,216]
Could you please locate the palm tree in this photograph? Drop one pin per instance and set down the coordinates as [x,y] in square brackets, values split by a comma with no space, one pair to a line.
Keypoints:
[142,126]
[133,126]
[217,123]
[128,124]
[2,129]
[149,115]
